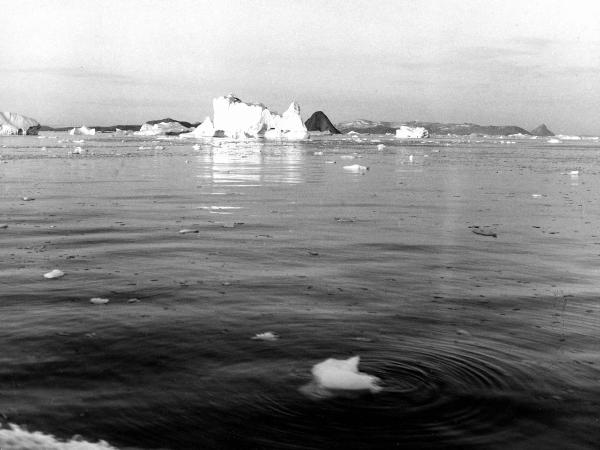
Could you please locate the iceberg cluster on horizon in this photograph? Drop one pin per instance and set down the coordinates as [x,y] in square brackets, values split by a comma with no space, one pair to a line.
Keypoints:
[236,119]
[16,124]
[162,127]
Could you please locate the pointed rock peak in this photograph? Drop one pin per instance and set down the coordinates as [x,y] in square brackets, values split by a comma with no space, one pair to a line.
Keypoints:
[320,122]
[542,130]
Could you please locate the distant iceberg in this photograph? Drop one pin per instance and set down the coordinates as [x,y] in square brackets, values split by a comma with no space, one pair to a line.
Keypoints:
[83,130]
[162,127]
[566,137]
[16,124]
[406,132]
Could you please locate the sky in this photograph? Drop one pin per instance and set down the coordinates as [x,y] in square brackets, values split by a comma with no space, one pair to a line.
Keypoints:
[76,62]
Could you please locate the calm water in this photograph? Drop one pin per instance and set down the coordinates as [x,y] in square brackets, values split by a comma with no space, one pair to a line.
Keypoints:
[479,342]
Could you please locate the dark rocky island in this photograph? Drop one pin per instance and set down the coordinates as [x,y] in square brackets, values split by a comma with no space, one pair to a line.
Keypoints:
[320,122]
[542,130]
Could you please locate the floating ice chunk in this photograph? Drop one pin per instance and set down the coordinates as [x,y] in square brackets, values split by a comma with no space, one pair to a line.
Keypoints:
[144,148]
[3,225]
[28,199]
[266,336]
[188,231]
[380,147]
[167,126]
[17,438]
[573,172]
[77,151]
[536,195]
[566,137]
[347,157]
[99,301]
[159,147]
[343,375]
[411,158]
[406,132]
[205,129]
[82,130]
[54,274]
[196,147]
[318,153]
[553,141]
[356,168]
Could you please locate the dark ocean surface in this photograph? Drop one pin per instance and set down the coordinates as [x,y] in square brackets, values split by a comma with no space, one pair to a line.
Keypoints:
[480,342]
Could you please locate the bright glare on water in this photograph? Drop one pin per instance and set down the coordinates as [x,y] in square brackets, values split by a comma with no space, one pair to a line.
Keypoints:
[463,272]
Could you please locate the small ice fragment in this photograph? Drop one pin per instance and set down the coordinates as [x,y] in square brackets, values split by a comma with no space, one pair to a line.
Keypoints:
[573,172]
[3,225]
[133,300]
[44,149]
[99,301]
[318,153]
[536,195]
[410,158]
[347,157]
[553,141]
[77,151]
[196,147]
[54,274]
[144,148]
[187,231]
[484,231]
[463,332]
[380,147]
[266,336]
[28,199]
[159,147]
[357,168]
[343,375]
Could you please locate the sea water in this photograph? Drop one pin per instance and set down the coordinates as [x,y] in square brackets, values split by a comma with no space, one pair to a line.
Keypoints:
[477,340]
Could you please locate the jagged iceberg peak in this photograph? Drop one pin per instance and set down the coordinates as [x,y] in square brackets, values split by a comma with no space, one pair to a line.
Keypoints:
[205,129]
[238,120]
[16,124]
[83,130]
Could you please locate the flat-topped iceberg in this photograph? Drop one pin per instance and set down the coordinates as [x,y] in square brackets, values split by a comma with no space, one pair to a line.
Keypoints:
[236,119]
[16,124]
[406,132]
[83,130]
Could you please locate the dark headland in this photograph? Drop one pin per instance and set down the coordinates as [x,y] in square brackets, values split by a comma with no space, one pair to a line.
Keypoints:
[542,130]
[320,122]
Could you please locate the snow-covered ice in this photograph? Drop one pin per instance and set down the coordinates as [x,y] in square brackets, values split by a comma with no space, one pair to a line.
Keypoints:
[15,124]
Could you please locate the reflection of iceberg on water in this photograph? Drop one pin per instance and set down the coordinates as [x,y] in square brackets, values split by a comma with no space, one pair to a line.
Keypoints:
[236,119]
[339,376]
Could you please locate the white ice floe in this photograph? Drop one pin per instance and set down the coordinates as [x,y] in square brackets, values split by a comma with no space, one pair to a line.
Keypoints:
[77,151]
[356,168]
[266,336]
[14,437]
[553,141]
[188,231]
[336,376]
[380,147]
[99,301]
[566,137]
[406,132]
[82,130]
[15,124]
[54,274]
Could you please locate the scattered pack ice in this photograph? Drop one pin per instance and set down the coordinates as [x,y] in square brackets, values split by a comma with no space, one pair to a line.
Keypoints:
[406,132]
[83,130]
[16,124]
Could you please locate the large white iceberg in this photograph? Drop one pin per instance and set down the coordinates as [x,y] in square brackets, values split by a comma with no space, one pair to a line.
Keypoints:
[406,132]
[13,123]
[83,130]
[238,120]
[161,128]
[205,129]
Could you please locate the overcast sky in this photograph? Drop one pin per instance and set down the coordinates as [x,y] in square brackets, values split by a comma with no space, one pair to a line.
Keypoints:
[500,62]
